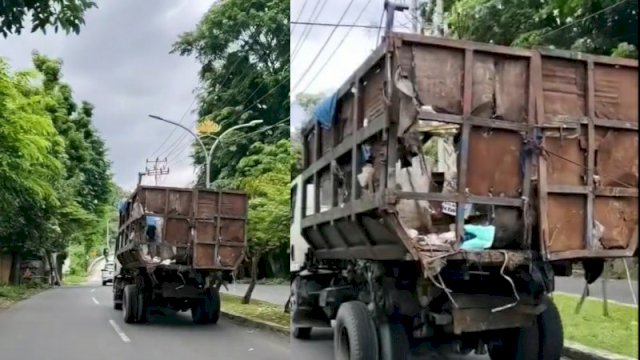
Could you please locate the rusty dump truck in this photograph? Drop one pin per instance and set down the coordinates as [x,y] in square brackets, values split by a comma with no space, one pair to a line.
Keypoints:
[175,248]
[542,174]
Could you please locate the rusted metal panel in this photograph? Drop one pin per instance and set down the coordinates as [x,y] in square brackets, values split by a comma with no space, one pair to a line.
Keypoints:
[561,119]
[586,201]
[204,229]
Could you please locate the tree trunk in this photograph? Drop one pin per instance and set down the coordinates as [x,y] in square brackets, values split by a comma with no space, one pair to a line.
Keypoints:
[15,271]
[254,278]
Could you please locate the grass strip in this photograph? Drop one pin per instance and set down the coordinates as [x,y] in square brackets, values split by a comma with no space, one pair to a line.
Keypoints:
[74,279]
[10,294]
[617,333]
[256,310]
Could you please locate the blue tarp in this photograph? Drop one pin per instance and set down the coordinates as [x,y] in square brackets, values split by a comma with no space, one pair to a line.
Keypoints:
[122,205]
[325,111]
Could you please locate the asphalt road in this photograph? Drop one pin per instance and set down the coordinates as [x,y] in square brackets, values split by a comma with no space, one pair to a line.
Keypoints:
[78,323]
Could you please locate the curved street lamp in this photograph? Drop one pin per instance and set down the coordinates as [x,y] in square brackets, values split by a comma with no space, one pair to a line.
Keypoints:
[207,153]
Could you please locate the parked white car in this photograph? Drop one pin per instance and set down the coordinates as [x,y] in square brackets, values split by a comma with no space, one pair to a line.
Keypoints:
[107,274]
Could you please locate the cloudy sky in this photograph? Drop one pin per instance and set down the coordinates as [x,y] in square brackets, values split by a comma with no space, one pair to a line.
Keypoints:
[120,62]
[351,45]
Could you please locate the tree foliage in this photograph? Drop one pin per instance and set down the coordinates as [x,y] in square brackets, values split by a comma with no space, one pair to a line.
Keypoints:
[607,27]
[54,175]
[61,14]
[243,46]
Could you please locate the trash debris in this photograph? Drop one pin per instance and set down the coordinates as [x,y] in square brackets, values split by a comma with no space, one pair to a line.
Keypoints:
[478,237]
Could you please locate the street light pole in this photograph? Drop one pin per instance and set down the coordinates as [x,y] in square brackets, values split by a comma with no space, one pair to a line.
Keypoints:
[207,153]
[215,143]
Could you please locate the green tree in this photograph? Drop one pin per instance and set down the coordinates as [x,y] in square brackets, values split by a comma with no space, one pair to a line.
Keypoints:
[61,14]
[265,175]
[55,177]
[607,27]
[243,46]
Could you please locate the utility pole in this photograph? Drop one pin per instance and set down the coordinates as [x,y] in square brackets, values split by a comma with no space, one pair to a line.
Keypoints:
[159,168]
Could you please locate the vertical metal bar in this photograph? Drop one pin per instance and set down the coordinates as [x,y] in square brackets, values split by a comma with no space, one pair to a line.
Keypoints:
[591,153]
[536,64]
[316,178]
[389,181]
[527,173]
[355,119]
[218,225]
[193,235]
[464,142]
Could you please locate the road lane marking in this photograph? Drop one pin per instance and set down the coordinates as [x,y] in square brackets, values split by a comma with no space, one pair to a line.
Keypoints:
[95,301]
[119,331]
[93,290]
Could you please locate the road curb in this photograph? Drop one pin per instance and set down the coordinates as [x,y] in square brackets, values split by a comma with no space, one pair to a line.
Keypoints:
[260,324]
[576,351]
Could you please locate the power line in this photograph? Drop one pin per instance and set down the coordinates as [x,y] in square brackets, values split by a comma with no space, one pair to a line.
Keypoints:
[582,19]
[323,45]
[262,97]
[304,4]
[366,5]
[307,29]
[361,26]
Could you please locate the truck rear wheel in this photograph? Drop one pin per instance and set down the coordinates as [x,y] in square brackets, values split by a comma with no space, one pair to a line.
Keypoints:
[130,304]
[207,309]
[301,332]
[355,336]
[543,341]
[394,342]
[215,305]
[550,332]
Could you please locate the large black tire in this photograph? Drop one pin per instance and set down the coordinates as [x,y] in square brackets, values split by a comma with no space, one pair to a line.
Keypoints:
[104,283]
[394,342]
[550,332]
[141,315]
[130,304]
[207,309]
[355,336]
[302,333]
[516,344]
[214,315]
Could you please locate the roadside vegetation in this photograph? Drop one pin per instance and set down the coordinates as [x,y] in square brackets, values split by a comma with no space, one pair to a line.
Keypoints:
[55,175]
[243,49]
[616,333]
[256,310]
[10,294]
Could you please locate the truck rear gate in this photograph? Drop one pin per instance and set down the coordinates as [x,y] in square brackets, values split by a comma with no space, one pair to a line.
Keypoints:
[545,152]
[545,132]
[176,247]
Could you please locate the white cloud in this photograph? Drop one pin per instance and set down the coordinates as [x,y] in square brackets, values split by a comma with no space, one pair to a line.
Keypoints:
[120,62]
[358,44]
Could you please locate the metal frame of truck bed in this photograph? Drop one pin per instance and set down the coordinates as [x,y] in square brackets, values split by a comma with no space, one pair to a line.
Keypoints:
[345,231]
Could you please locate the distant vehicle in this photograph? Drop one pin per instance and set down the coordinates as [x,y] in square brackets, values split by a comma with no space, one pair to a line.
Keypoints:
[107,274]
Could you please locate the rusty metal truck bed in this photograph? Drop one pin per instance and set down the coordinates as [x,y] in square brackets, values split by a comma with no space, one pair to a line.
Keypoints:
[547,140]
[195,228]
